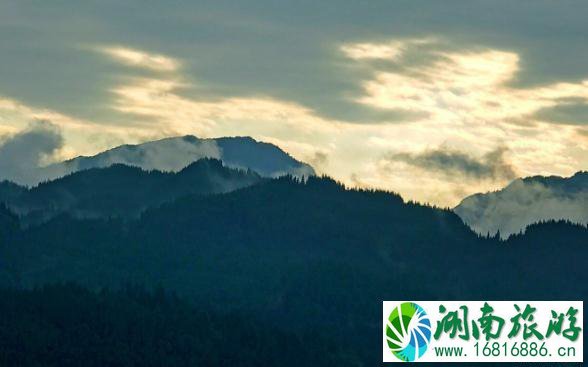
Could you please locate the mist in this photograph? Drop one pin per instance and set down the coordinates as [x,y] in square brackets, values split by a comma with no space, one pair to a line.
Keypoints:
[23,154]
[524,202]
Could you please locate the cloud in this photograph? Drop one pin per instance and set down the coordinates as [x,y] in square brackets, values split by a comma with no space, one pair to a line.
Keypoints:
[452,96]
[356,181]
[319,159]
[466,86]
[358,51]
[81,136]
[22,154]
[492,165]
[163,155]
[161,100]
[524,202]
[569,114]
[456,95]
[277,74]
[391,50]
[467,100]
[140,59]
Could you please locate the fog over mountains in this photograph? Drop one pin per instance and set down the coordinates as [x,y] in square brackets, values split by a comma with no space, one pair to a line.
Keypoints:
[173,154]
[166,155]
[307,258]
[120,191]
[510,210]
[526,201]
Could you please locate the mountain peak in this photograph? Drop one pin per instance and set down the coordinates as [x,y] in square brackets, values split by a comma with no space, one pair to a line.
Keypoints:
[526,201]
[172,154]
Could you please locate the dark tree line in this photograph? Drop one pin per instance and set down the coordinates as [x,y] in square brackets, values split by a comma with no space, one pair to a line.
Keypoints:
[299,256]
[67,325]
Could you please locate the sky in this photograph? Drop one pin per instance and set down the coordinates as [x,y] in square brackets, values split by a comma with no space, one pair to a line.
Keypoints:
[435,100]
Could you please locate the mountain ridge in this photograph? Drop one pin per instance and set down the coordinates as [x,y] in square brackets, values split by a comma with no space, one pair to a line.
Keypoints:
[525,201]
[120,190]
[301,255]
[174,153]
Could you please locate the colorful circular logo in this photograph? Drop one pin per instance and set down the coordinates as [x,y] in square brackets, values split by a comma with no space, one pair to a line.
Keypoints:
[408,331]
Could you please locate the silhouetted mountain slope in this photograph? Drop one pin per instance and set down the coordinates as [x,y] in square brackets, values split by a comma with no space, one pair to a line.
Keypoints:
[526,201]
[305,255]
[122,191]
[9,227]
[173,154]
[9,223]
[265,158]
[10,191]
[68,326]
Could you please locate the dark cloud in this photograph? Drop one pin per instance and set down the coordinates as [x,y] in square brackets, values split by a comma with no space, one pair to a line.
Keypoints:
[356,180]
[568,114]
[225,45]
[492,165]
[368,114]
[319,159]
[22,153]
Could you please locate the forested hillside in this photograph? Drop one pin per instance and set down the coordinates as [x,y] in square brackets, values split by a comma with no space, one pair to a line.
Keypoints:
[69,326]
[302,255]
[120,191]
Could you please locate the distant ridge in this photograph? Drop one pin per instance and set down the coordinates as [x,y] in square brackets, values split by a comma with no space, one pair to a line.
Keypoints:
[173,154]
[526,201]
[120,190]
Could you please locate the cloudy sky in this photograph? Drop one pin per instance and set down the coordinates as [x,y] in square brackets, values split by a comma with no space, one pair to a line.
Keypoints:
[432,99]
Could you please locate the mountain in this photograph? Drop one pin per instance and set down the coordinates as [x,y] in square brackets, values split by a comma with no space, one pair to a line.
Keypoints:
[9,223]
[69,326]
[526,201]
[9,191]
[120,191]
[173,154]
[302,256]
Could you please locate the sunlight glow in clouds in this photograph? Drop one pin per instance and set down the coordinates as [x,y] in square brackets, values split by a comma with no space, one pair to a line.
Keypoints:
[82,137]
[133,57]
[391,50]
[159,99]
[467,87]
[470,108]
[475,133]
